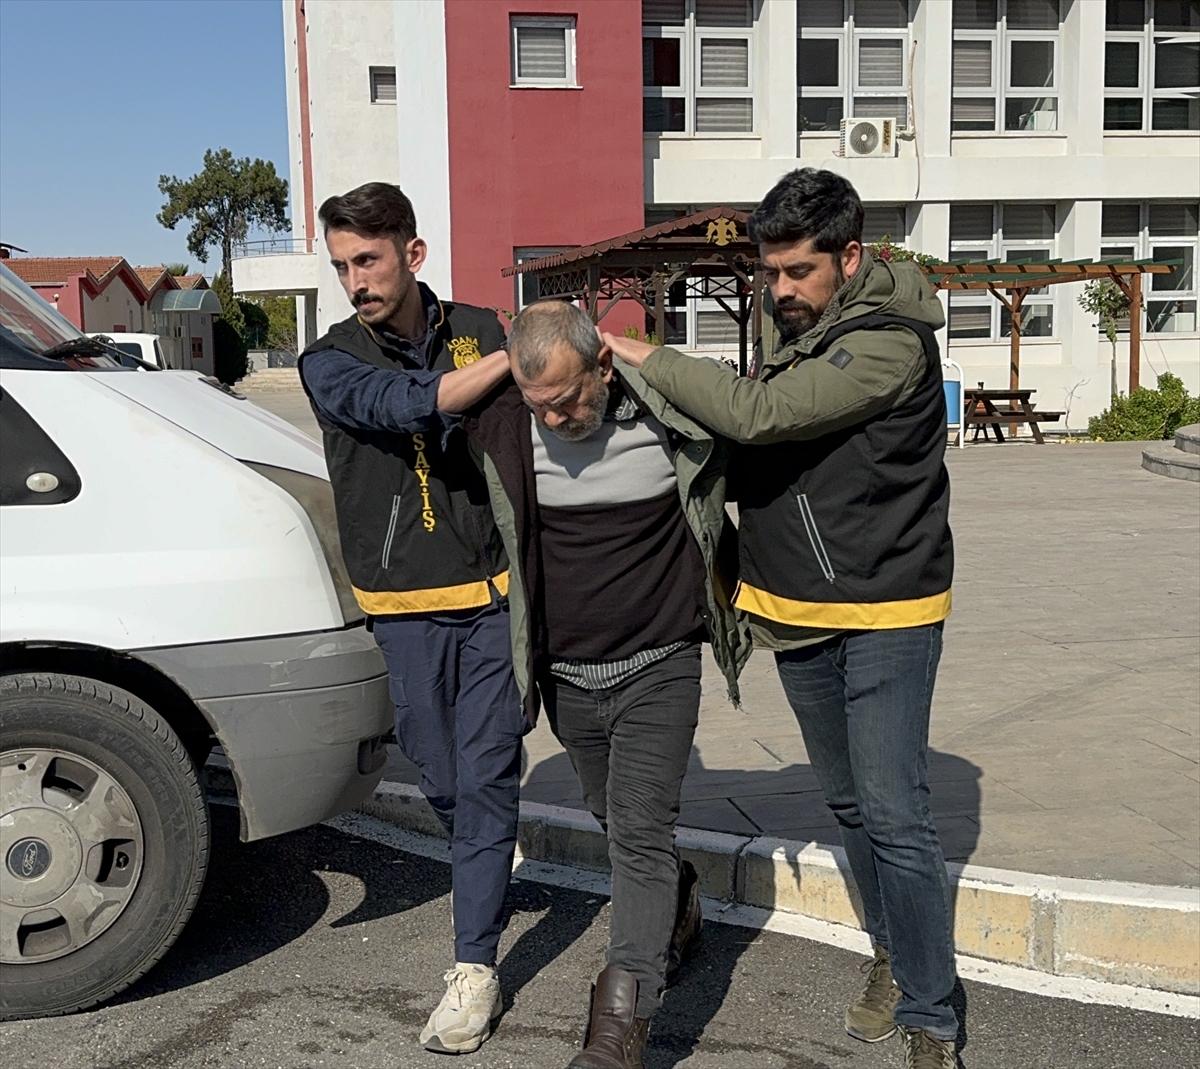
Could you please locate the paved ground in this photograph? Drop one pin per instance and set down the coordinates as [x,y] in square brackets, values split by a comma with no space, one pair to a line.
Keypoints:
[1066,723]
[318,949]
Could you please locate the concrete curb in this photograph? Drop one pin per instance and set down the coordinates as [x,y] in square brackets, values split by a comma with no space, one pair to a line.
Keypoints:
[1121,933]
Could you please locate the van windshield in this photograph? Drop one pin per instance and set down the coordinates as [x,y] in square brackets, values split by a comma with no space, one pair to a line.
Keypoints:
[29,323]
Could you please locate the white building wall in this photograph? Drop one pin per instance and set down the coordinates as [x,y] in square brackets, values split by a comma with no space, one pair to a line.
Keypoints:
[423,129]
[352,139]
[1077,167]
[116,309]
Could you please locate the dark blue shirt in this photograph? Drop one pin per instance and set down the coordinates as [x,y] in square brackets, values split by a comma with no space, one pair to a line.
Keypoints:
[368,398]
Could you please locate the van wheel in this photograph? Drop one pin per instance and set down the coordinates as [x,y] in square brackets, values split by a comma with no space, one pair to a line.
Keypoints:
[103,842]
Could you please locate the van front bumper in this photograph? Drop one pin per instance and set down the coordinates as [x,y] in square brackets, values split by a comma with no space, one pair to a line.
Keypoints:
[301,719]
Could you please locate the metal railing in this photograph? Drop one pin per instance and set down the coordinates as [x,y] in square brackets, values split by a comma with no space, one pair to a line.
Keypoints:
[272,247]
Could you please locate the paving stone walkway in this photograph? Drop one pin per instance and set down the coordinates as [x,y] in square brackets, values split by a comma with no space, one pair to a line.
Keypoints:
[1066,722]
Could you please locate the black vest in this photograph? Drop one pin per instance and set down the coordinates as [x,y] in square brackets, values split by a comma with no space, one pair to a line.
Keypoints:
[851,530]
[416,526]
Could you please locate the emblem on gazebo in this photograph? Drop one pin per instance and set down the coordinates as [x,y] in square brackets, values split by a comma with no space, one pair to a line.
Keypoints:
[721,232]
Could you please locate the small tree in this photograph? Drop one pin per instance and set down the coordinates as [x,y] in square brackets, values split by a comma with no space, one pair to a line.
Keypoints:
[224,201]
[1104,299]
[178,270]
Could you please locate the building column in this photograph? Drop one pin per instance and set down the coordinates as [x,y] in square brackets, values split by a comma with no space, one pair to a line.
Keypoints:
[933,32]
[1085,369]
[777,95]
[928,228]
[423,129]
[1081,99]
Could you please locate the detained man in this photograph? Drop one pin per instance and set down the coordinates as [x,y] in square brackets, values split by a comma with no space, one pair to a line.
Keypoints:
[612,508]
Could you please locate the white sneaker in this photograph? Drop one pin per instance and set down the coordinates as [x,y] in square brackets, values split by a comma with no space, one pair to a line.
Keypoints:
[464,1017]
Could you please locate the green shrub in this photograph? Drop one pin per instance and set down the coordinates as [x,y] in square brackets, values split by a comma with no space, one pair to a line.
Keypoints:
[1146,415]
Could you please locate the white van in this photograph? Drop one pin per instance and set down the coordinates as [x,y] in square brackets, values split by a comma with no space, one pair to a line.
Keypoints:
[143,347]
[170,581]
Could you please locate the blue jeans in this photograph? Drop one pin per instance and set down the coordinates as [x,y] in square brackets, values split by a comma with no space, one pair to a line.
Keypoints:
[862,700]
[459,720]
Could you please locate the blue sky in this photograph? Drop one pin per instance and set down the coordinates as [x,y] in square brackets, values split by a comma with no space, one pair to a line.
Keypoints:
[100,97]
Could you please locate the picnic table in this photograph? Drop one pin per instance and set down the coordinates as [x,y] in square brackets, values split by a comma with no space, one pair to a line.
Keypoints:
[980,412]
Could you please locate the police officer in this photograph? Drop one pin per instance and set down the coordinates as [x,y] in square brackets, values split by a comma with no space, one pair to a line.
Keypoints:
[425,560]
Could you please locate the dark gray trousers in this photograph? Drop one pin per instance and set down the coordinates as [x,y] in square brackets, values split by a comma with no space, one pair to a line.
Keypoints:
[629,745]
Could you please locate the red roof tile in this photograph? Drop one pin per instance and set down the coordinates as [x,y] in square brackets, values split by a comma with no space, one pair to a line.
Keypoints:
[55,270]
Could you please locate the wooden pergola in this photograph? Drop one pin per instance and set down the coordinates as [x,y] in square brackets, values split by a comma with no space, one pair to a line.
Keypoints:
[708,252]
[1017,277]
[712,255]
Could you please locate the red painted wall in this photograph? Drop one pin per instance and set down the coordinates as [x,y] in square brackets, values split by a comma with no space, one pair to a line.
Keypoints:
[535,167]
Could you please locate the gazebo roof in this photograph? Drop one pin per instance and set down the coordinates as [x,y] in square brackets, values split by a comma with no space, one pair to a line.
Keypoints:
[705,232]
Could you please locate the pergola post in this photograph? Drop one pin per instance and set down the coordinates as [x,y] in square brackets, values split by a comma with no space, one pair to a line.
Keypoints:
[660,309]
[593,291]
[1014,342]
[743,327]
[1135,331]
[756,310]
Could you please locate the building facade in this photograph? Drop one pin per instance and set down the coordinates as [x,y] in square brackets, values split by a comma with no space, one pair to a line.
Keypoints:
[1025,128]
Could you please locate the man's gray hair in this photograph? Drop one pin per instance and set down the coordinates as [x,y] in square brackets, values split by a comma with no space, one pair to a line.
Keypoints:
[542,326]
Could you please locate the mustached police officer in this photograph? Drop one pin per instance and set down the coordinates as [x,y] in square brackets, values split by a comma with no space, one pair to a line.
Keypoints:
[425,559]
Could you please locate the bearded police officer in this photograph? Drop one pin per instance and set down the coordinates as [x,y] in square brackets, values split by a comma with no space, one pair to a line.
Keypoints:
[425,559]
[846,563]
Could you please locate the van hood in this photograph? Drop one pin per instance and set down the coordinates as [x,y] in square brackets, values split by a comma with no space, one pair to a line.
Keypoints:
[235,426]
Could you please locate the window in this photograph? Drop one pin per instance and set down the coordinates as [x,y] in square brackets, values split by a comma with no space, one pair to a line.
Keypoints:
[883,221]
[543,52]
[526,286]
[1005,232]
[1152,65]
[1158,230]
[383,85]
[1004,67]
[851,59]
[697,67]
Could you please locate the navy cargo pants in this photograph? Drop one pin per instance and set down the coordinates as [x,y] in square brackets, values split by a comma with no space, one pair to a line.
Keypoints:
[459,720]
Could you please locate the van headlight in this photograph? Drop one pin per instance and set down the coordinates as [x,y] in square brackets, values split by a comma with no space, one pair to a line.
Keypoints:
[315,496]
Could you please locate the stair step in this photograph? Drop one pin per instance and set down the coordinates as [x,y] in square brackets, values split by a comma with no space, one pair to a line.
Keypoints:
[1163,458]
[1187,438]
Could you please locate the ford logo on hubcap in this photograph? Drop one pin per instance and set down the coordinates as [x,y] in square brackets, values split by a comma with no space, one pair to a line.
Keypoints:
[28,859]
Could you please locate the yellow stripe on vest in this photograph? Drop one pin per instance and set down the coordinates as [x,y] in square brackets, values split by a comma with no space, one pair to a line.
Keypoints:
[435,599]
[849,616]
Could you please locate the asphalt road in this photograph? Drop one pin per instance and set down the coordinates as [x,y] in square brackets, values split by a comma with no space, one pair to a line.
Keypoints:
[321,949]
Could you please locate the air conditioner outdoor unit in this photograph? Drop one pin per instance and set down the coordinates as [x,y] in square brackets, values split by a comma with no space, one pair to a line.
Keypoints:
[868,137]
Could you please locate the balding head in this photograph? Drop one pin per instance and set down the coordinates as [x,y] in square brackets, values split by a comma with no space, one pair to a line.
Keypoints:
[543,327]
[561,368]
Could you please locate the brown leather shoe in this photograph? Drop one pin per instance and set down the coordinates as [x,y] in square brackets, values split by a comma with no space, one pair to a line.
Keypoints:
[614,1038]
[689,922]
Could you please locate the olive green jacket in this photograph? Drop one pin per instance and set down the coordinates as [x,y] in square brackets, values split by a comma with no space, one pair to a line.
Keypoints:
[811,398]
[501,429]
[795,398]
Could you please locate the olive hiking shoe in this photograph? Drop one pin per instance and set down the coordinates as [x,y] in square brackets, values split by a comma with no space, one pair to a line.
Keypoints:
[870,1018]
[923,1051]
[467,1012]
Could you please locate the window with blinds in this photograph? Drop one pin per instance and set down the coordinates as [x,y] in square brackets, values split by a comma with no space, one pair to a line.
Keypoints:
[383,85]
[851,59]
[1024,230]
[883,221]
[1004,65]
[1158,230]
[697,67]
[1152,65]
[543,52]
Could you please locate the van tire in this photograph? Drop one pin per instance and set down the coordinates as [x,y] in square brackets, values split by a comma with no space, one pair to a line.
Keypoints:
[117,733]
